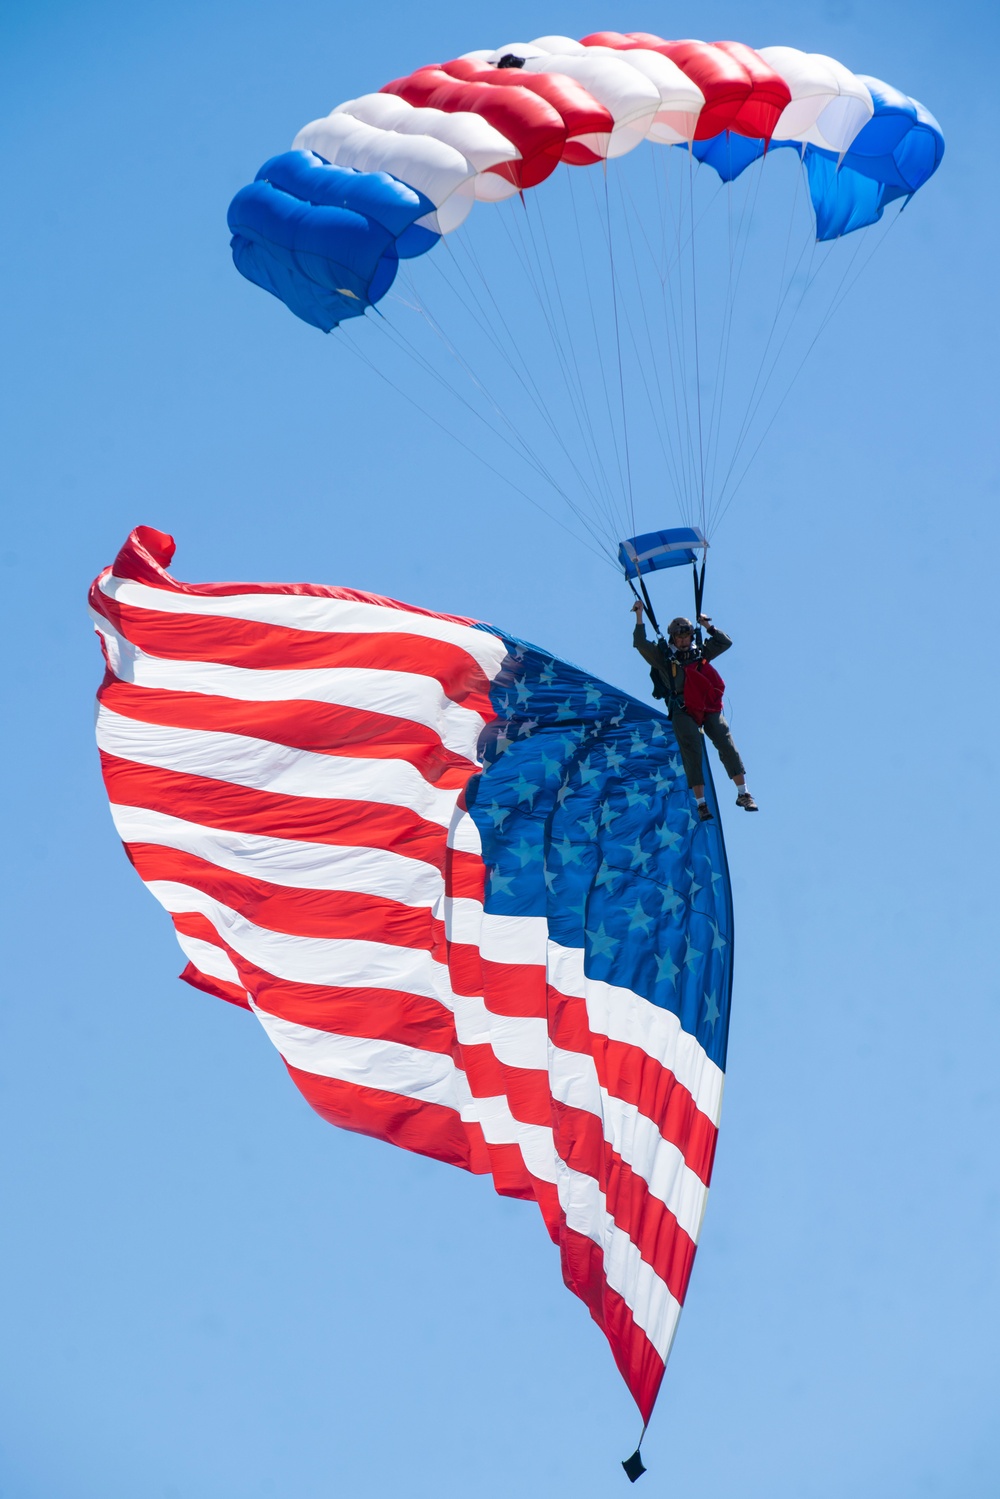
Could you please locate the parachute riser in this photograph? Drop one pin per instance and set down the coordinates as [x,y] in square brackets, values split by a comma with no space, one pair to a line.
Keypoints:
[698,577]
[645,601]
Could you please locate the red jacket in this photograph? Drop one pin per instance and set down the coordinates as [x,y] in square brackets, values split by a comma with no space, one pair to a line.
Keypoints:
[703,689]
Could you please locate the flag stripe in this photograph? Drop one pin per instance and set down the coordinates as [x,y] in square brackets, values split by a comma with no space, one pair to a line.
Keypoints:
[399,694]
[323,728]
[261,765]
[305,606]
[303,819]
[262,647]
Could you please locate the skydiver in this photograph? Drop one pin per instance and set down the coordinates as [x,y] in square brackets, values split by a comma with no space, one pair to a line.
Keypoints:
[694,701]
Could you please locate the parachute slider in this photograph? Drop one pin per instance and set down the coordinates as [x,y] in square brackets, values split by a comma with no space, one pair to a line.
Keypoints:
[656,549]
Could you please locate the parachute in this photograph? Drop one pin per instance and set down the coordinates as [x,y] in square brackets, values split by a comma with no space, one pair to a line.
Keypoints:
[623,337]
[459,883]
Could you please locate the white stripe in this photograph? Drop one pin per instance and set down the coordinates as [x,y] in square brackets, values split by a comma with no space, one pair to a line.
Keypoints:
[479,142]
[434,1078]
[263,765]
[358,964]
[429,1076]
[301,611]
[623,1016]
[399,694]
[343,962]
[285,861]
[653,1307]
[300,865]
[463,833]
[635,1138]
[208,958]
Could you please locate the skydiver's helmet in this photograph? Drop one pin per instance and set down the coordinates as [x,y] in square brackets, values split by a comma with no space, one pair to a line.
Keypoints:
[679,626]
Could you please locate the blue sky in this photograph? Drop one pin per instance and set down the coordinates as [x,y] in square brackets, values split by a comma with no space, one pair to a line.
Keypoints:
[211,1294]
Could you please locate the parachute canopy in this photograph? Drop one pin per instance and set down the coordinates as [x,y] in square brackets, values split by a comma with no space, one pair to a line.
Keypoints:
[384,176]
[459,883]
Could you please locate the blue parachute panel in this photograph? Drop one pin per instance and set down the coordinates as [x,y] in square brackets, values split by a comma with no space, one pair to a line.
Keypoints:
[730,154]
[586,820]
[658,549]
[844,200]
[325,239]
[890,157]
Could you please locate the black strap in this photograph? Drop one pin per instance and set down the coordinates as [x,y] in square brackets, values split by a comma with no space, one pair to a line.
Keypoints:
[645,600]
[699,590]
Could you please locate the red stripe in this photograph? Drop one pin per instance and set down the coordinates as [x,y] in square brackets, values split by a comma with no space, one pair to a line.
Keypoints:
[232,993]
[631,1074]
[321,728]
[148,552]
[664,1245]
[311,819]
[640,1365]
[531,124]
[580,112]
[264,647]
[429,1129]
[425,1128]
[769,96]
[724,81]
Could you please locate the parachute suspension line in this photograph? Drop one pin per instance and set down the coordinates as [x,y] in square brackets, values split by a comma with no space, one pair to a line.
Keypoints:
[514,442]
[758,391]
[598,550]
[660,414]
[595,298]
[837,301]
[673,320]
[536,281]
[572,361]
[677,307]
[518,368]
[812,278]
[591,306]
[697,354]
[658,408]
[517,441]
[737,248]
[618,347]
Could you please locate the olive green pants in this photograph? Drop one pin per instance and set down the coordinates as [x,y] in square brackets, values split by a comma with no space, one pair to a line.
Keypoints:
[690,744]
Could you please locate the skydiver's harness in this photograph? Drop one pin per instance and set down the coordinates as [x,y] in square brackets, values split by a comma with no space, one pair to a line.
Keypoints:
[703,687]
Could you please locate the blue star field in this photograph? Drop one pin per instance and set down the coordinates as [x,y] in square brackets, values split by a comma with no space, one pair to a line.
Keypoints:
[586,819]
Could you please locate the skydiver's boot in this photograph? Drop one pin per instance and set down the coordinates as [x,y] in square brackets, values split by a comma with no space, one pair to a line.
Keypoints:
[704,811]
[746,801]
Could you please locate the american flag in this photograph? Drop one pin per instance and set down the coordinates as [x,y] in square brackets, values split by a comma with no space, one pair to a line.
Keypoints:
[459,883]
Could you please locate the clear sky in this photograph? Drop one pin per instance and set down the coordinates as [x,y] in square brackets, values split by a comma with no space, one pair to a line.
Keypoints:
[211,1294]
